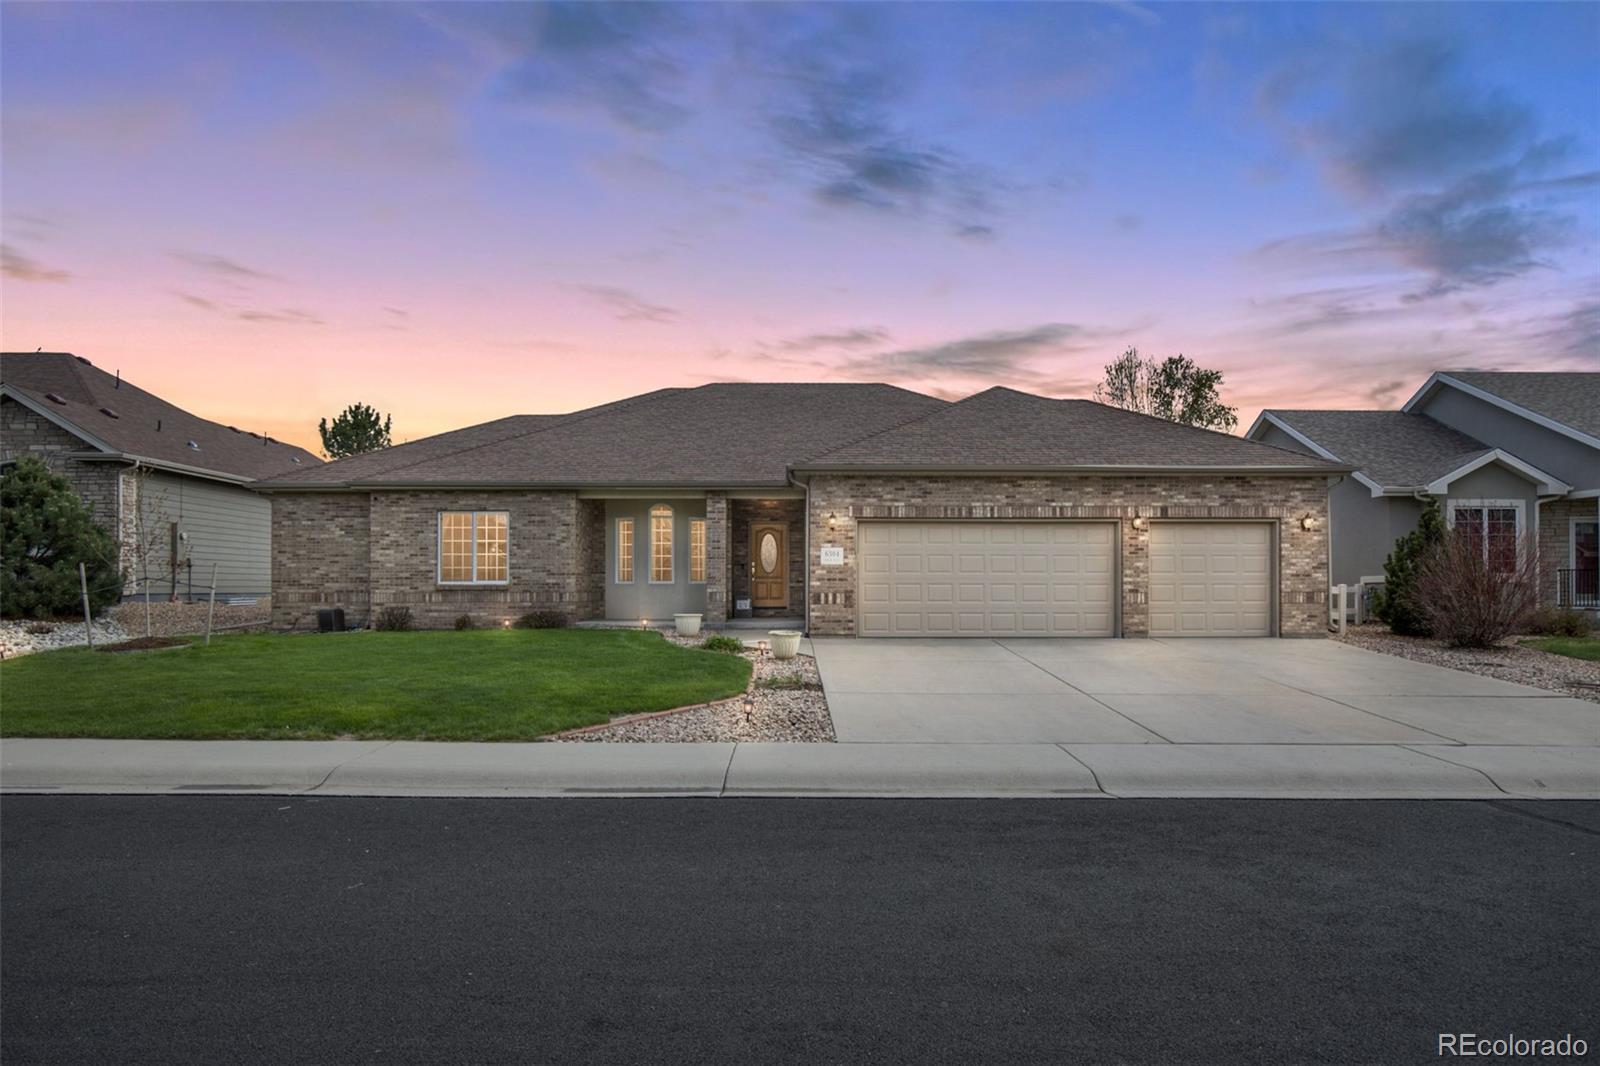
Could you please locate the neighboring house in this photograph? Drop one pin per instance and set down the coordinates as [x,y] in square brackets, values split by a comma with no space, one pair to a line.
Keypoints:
[848,509]
[1514,457]
[171,487]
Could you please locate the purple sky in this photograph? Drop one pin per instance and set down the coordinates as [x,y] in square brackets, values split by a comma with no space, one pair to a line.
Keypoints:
[457,212]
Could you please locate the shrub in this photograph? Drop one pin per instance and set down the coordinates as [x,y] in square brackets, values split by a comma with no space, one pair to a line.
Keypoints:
[1559,622]
[393,619]
[732,645]
[39,629]
[544,618]
[464,621]
[1396,603]
[45,532]
[1469,602]
[782,681]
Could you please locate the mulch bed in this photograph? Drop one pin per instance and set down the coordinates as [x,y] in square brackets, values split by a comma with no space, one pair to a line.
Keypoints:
[143,644]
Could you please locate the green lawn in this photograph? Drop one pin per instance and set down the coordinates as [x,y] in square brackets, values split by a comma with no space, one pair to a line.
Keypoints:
[474,685]
[1575,647]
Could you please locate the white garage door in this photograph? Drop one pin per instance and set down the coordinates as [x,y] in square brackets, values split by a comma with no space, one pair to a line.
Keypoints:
[1210,579]
[977,579]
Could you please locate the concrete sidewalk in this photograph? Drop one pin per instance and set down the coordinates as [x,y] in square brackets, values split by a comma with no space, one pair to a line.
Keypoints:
[404,768]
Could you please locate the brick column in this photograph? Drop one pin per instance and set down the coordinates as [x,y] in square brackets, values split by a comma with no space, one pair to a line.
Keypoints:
[717,573]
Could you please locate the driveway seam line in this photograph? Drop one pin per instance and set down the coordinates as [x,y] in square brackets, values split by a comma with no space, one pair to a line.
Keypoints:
[727,771]
[1091,695]
[1481,773]
[1363,710]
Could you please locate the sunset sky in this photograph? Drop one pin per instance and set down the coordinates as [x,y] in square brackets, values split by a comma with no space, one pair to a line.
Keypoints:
[457,212]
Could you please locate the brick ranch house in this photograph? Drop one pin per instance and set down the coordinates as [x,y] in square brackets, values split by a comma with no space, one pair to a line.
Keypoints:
[146,466]
[852,509]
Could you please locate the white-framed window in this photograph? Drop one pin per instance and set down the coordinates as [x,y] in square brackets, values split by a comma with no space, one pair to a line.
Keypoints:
[697,551]
[1493,526]
[624,551]
[474,547]
[660,545]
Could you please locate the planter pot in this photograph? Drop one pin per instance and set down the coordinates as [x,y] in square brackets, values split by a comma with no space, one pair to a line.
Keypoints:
[688,624]
[785,643]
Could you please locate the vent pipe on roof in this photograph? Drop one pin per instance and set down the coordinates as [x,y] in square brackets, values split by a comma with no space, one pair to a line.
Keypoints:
[158,425]
[118,385]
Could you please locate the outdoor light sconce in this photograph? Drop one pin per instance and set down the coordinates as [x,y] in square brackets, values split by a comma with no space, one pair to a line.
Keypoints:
[1308,523]
[833,519]
[1139,522]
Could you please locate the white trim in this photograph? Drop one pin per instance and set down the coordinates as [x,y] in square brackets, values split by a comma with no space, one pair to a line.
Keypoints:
[616,550]
[650,549]
[1584,494]
[1548,484]
[1440,377]
[438,550]
[1519,506]
[1572,537]
[705,539]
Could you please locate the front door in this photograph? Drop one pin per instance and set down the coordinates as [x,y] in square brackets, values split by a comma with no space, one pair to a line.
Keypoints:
[769,564]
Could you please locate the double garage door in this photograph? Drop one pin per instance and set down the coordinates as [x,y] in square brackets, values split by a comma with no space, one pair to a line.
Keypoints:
[1058,579]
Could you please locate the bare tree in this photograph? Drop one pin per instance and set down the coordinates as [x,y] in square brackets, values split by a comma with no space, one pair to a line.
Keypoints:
[148,537]
[1477,592]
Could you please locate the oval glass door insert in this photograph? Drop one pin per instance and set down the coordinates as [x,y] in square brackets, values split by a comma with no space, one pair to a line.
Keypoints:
[769,553]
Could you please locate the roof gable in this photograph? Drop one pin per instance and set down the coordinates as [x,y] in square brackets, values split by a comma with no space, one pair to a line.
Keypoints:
[1564,402]
[1391,450]
[116,416]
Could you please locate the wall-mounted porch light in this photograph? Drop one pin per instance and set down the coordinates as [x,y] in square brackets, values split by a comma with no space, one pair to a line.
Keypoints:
[1139,522]
[833,519]
[1308,523]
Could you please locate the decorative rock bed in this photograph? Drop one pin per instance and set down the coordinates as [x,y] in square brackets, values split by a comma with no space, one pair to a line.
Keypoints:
[784,702]
[24,637]
[1508,662]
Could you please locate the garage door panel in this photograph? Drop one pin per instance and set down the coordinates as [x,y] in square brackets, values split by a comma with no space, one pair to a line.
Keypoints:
[1211,579]
[989,578]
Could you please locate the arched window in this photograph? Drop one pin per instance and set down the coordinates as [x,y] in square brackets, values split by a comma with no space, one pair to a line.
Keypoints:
[661,544]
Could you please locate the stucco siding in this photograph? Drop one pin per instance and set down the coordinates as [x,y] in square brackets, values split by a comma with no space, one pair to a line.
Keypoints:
[1271,434]
[1365,527]
[1572,461]
[641,597]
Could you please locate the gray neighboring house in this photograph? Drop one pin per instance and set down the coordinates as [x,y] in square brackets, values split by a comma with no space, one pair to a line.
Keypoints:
[1511,454]
[140,462]
[848,509]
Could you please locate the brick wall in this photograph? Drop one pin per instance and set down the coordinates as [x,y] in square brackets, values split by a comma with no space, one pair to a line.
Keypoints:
[108,489]
[1555,540]
[1302,559]
[792,515]
[368,551]
[320,557]
[719,562]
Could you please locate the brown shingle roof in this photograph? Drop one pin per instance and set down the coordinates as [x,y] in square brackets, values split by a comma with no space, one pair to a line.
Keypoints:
[142,424]
[1393,448]
[726,435]
[1005,429]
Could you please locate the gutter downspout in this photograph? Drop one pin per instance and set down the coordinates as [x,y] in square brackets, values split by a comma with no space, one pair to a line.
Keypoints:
[805,576]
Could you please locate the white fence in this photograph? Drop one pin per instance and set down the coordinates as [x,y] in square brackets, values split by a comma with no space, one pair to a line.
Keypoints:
[1346,604]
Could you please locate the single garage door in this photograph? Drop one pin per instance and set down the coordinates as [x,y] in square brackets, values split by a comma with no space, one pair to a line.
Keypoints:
[980,579]
[1211,579]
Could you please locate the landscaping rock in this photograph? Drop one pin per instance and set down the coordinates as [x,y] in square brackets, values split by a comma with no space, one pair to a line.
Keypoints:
[17,638]
[797,712]
[1509,661]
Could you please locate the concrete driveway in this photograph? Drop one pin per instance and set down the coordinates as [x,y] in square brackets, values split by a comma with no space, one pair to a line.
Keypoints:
[1043,691]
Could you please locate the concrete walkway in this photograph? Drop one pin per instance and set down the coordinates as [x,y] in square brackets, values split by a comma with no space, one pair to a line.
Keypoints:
[402,768]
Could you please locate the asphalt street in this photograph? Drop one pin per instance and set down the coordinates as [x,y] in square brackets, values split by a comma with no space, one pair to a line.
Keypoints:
[199,929]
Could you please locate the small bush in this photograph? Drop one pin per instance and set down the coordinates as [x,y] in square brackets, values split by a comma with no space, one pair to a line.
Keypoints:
[1560,622]
[732,645]
[1468,600]
[782,681]
[465,621]
[1396,603]
[39,629]
[393,619]
[544,618]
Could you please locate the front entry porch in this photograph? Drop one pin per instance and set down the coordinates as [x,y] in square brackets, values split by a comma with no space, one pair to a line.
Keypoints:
[737,559]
